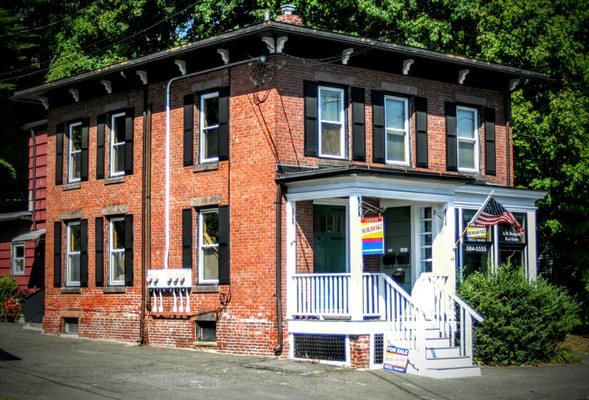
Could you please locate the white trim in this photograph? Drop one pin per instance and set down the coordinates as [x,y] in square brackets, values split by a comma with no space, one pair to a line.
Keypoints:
[112,144]
[14,258]
[68,254]
[405,132]
[111,281]
[474,141]
[202,128]
[201,247]
[71,153]
[341,121]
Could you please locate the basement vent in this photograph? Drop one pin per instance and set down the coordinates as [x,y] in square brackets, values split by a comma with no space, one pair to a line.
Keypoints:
[378,349]
[206,331]
[320,347]
[70,326]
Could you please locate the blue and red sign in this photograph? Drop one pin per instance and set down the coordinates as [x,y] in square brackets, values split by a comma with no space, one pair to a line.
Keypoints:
[372,235]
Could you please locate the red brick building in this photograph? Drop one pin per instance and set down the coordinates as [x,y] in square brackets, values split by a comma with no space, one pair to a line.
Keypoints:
[214,196]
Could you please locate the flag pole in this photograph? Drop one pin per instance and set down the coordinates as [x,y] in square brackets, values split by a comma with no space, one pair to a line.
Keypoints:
[480,210]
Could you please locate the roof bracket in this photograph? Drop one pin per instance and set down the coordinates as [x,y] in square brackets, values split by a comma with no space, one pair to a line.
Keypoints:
[270,43]
[181,66]
[513,84]
[280,41]
[75,94]
[407,65]
[142,75]
[346,53]
[107,85]
[462,75]
[224,53]
[44,101]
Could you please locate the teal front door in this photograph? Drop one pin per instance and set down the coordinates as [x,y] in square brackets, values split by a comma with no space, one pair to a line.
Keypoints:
[329,239]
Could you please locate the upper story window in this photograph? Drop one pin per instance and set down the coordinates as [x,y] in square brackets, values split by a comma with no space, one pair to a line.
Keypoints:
[116,259]
[397,130]
[208,246]
[75,152]
[117,144]
[209,127]
[467,138]
[73,251]
[331,122]
[18,258]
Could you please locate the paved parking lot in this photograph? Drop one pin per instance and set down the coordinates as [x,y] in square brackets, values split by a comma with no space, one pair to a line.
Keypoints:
[35,366]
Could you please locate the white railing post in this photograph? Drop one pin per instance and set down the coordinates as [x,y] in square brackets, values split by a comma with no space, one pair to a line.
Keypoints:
[355,256]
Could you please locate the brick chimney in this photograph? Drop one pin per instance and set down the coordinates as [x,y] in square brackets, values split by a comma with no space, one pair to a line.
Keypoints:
[287,15]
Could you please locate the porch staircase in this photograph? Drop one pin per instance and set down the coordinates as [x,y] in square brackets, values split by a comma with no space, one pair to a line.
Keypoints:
[435,325]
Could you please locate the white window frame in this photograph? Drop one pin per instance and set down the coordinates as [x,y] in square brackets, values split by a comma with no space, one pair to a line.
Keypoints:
[392,131]
[202,129]
[474,141]
[341,121]
[69,254]
[202,246]
[112,251]
[18,260]
[113,144]
[422,262]
[72,152]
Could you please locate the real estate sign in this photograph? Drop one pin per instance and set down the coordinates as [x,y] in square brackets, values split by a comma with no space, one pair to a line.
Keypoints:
[372,235]
[395,359]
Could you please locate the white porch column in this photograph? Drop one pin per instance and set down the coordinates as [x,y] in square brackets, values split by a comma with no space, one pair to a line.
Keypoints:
[291,258]
[356,262]
[532,246]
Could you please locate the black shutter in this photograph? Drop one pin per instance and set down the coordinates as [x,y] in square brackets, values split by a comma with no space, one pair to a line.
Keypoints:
[99,256]
[311,131]
[421,132]
[128,250]
[129,141]
[84,253]
[85,139]
[490,157]
[187,238]
[57,254]
[378,127]
[451,139]
[59,132]
[358,127]
[223,136]
[100,124]
[188,130]
[224,256]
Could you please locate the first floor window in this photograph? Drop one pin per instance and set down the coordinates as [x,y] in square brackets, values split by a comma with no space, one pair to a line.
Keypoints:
[209,127]
[425,239]
[468,139]
[75,152]
[73,250]
[117,144]
[397,130]
[331,122]
[18,258]
[116,251]
[208,243]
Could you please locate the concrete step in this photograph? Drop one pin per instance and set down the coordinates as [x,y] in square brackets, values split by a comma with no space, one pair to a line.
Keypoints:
[446,373]
[442,352]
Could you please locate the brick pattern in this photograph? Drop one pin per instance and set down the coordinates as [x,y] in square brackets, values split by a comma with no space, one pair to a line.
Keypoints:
[360,351]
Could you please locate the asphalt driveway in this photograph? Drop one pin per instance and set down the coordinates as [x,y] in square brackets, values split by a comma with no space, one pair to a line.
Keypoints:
[35,366]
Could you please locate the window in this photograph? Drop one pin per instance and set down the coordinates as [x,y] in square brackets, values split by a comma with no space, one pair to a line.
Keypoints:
[116,259]
[75,152]
[18,258]
[468,139]
[397,130]
[73,250]
[425,239]
[70,326]
[206,331]
[208,252]
[209,127]
[117,144]
[331,122]
[512,243]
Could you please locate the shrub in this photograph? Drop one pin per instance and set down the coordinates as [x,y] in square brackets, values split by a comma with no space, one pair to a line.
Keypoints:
[524,321]
[8,289]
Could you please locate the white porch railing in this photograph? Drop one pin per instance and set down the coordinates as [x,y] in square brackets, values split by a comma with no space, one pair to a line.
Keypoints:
[321,295]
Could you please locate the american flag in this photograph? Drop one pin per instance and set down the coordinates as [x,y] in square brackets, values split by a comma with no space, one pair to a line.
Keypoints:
[494,213]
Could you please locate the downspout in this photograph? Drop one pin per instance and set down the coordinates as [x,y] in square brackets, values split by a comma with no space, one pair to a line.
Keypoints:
[34,178]
[167,165]
[146,205]
[278,349]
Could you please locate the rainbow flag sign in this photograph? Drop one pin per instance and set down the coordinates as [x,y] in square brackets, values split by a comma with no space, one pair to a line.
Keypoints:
[372,235]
